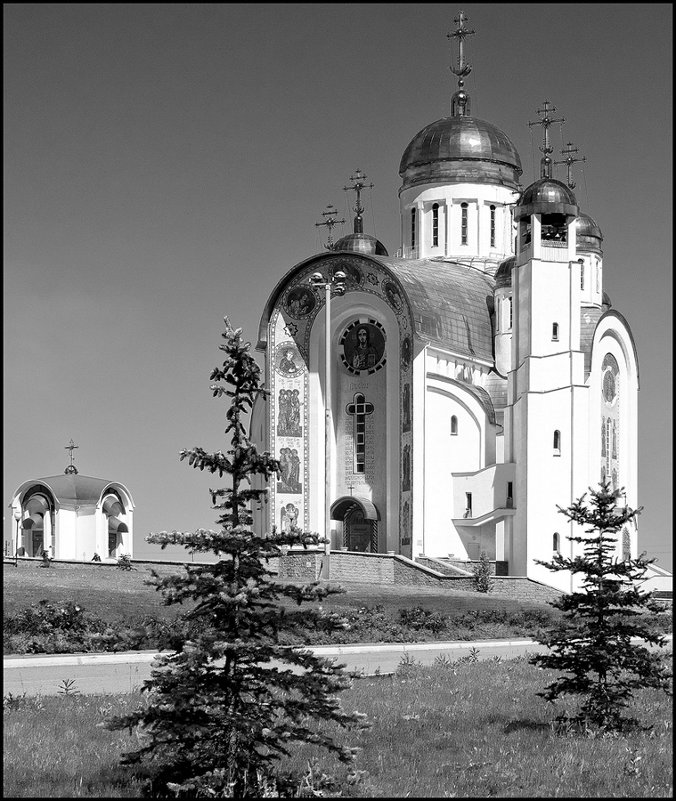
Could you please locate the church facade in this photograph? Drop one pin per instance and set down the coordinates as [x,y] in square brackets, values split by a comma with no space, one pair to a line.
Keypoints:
[477,379]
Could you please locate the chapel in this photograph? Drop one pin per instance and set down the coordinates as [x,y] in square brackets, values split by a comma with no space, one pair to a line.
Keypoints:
[73,517]
[442,401]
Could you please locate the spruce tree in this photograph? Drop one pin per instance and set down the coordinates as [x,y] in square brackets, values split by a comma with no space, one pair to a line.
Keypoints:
[592,641]
[225,707]
[482,577]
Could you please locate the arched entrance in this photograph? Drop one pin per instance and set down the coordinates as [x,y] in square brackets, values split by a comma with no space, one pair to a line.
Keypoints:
[359,517]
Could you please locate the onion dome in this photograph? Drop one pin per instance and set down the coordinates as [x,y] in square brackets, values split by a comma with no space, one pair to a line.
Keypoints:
[361,243]
[460,149]
[588,234]
[503,275]
[546,196]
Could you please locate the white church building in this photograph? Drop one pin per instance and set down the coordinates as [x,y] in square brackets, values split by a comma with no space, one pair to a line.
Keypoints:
[477,379]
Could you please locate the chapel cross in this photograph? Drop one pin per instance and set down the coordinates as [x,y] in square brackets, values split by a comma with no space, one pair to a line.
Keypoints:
[71,468]
[546,122]
[329,222]
[569,160]
[359,409]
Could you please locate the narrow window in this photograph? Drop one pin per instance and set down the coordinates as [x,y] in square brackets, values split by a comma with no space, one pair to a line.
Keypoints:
[358,409]
[510,494]
[509,308]
[492,226]
[463,224]
[454,426]
[555,331]
[412,228]
[468,504]
[556,543]
[435,225]
[557,443]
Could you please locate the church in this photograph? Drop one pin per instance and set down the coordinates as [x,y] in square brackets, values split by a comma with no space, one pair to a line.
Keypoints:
[442,401]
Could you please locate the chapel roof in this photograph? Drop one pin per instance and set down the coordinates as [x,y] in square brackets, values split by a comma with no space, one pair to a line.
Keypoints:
[73,488]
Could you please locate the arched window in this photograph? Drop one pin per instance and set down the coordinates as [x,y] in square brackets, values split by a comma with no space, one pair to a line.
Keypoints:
[454,426]
[492,210]
[581,275]
[509,313]
[113,508]
[556,543]
[463,223]
[555,332]
[435,225]
[557,443]
[412,228]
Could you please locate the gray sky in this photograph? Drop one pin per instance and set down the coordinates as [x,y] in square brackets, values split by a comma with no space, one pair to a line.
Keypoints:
[165,165]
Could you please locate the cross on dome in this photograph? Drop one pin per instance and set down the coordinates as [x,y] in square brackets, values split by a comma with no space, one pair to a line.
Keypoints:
[460,100]
[546,122]
[569,160]
[357,185]
[329,222]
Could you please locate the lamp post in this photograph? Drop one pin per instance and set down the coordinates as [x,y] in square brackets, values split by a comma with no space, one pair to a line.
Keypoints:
[337,284]
[17,516]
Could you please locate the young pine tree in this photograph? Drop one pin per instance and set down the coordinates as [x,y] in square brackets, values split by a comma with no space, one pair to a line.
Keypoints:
[592,641]
[224,708]
[483,580]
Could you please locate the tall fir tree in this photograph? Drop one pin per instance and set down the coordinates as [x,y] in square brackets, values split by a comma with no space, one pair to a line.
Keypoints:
[223,710]
[592,642]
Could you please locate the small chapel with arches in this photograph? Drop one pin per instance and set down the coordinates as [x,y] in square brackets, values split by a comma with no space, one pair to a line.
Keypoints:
[479,375]
[73,517]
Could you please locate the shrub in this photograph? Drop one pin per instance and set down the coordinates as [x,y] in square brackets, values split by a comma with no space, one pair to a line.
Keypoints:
[483,580]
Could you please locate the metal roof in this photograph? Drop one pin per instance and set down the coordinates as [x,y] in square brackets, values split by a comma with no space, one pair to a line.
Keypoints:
[451,304]
[74,489]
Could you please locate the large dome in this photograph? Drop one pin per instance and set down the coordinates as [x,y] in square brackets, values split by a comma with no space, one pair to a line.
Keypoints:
[460,149]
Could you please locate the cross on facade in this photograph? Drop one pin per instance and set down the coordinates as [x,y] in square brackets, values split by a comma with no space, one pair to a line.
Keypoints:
[546,122]
[357,186]
[71,467]
[569,160]
[329,222]
[359,409]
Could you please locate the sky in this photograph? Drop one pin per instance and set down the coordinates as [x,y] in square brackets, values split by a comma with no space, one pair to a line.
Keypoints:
[165,165]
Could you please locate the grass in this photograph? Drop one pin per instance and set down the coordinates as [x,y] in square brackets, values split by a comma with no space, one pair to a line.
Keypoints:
[465,730]
[134,614]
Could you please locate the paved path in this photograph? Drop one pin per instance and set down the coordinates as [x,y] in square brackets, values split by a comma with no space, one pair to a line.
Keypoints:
[122,673]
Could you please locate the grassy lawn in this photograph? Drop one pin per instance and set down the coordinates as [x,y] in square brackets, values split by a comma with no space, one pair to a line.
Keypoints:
[468,730]
[118,594]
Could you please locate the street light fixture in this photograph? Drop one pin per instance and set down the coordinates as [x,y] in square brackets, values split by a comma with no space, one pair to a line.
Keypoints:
[17,516]
[337,285]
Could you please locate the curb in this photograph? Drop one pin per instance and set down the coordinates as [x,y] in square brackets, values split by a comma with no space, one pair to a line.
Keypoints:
[127,657]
